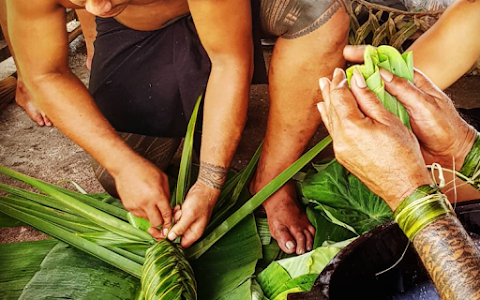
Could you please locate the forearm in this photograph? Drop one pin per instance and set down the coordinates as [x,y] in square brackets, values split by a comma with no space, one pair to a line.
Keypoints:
[225,110]
[447,51]
[224,28]
[446,250]
[451,258]
[69,105]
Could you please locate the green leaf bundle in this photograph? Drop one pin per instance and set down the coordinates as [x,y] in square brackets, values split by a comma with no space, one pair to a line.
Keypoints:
[390,59]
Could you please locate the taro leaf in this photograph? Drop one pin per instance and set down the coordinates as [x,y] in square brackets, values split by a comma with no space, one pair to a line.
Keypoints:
[229,263]
[298,273]
[272,278]
[257,292]
[314,261]
[325,230]
[18,263]
[67,273]
[346,198]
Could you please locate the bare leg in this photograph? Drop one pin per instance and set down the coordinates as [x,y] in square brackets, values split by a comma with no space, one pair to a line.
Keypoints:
[297,64]
[89,30]
[22,96]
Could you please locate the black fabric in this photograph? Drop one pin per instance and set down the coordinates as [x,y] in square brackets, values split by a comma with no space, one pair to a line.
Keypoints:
[147,82]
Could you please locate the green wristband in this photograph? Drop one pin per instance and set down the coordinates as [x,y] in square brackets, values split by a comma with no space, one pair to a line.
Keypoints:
[471,165]
[426,205]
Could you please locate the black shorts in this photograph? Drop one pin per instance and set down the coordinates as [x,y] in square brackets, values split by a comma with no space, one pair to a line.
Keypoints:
[147,82]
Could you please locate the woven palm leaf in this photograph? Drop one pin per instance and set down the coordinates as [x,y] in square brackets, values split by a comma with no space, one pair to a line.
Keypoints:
[166,274]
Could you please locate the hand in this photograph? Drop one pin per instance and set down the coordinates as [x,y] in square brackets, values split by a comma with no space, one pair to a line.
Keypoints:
[370,141]
[144,191]
[195,213]
[444,136]
[442,133]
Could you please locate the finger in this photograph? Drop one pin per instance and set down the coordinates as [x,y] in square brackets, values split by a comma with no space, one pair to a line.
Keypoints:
[367,100]
[156,233]
[192,234]
[354,53]
[408,94]
[177,215]
[324,107]
[166,213]
[323,113]
[285,240]
[181,227]
[324,84]
[338,78]
[139,213]
[301,241]
[154,216]
[310,238]
[343,104]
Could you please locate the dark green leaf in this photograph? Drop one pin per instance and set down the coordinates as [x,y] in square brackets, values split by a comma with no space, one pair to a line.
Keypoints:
[346,198]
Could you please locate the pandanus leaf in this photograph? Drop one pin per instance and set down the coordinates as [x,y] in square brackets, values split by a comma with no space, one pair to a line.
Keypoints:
[166,274]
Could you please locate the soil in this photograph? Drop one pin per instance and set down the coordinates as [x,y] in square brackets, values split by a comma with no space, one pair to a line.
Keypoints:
[45,153]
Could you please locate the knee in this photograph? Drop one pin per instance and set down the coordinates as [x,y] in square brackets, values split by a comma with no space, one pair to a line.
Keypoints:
[292,19]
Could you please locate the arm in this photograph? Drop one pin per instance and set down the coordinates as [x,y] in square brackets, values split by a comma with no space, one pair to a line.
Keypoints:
[68,104]
[393,168]
[89,29]
[450,257]
[224,28]
[451,47]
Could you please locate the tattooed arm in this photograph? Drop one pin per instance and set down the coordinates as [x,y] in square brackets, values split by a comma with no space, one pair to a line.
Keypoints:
[451,258]
[224,28]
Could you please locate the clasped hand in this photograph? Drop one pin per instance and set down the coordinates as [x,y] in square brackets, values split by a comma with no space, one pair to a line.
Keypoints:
[370,141]
[144,191]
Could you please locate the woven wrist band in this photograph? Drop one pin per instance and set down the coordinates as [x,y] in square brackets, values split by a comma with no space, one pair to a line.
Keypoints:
[471,166]
[426,205]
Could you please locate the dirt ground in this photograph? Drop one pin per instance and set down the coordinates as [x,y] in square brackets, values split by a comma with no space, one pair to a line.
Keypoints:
[44,153]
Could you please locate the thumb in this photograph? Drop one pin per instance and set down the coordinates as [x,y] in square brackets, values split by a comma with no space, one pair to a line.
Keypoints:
[367,100]
[354,53]
[181,227]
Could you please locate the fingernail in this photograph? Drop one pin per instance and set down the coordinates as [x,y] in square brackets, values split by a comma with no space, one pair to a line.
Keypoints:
[309,248]
[318,106]
[323,83]
[172,236]
[165,231]
[301,252]
[359,80]
[290,245]
[338,72]
[387,76]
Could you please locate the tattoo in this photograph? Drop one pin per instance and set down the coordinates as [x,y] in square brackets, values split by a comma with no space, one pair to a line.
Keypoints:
[451,258]
[212,175]
[291,19]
